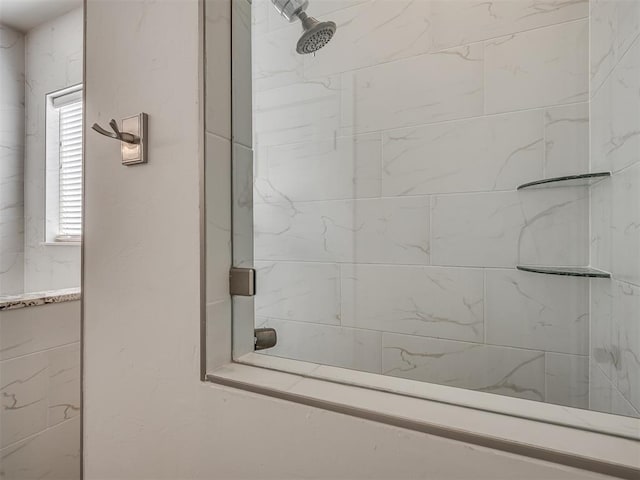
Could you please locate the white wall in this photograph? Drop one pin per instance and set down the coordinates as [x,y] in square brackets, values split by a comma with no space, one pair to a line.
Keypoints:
[615,212]
[388,226]
[147,415]
[53,61]
[11,161]
[40,389]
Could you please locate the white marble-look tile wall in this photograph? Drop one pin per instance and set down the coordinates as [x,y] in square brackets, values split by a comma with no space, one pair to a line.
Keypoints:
[327,344]
[507,371]
[549,313]
[505,228]
[478,155]
[387,222]
[427,301]
[543,67]
[11,161]
[615,25]
[53,61]
[615,212]
[40,392]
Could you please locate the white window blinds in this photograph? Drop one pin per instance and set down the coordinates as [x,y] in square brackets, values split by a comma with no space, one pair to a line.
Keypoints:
[70,193]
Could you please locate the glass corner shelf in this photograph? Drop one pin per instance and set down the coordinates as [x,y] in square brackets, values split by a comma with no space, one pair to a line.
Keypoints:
[566,271]
[584,179]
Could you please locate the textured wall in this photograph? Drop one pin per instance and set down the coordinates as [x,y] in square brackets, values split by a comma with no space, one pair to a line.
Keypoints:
[388,227]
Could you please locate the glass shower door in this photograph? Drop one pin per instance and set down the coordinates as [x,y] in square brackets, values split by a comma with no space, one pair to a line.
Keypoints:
[447,192]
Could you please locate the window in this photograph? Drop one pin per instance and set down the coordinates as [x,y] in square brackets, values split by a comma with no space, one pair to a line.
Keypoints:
[64,165]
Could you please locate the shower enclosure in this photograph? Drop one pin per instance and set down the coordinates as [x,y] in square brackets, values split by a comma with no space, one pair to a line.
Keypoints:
[448,192]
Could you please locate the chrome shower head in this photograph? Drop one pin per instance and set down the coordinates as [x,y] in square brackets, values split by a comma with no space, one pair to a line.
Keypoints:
[315,35]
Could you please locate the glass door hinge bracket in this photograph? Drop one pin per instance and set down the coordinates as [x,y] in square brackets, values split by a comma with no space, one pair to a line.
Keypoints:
[242,282]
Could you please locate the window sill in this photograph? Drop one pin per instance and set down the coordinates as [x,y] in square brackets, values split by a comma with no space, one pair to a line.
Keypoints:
[61,244]
[593,451]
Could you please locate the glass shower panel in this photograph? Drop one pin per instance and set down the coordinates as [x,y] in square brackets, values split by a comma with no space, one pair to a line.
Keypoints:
[390,234]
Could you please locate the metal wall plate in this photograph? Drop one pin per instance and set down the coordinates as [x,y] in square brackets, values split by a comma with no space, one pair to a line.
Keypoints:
[135,153]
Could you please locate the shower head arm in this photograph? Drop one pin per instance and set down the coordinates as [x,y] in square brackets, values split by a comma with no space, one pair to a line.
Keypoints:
[290,9]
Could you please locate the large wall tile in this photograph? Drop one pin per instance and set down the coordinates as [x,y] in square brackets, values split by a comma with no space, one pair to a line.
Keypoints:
[603,352]
[615,336]
[538,68]
[615,116]
[64,383]
[305,292]
[28,330]
[556,226]
[275,62]
[367,231]
[507,371]
[482,154]
[241,73]
[51,455]
[442,86]
[218,221]
[615,24]
[218,43]
[327,345]
[566,140]
[567,378]
[301,112]
[460,22]
[626,336]
[604,397]
[536,311]
[219,326]
[23,386]
[372,33]
[242,207]
[342,168]
[601,214]
[260,11]
[502,229]
[428,301]
[625,225]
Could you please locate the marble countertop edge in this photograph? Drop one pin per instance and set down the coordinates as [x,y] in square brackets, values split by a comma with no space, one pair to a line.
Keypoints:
[23,300]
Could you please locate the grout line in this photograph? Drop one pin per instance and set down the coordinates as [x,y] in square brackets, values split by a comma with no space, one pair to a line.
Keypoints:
[381,195]
[37,434]
[435,51]
[544,376]
[485,324]
[40,352]
[426,125]
[266,318]
[613,69]
[341,294]
[403,265]
[396,197]
[382,334]
[544,143]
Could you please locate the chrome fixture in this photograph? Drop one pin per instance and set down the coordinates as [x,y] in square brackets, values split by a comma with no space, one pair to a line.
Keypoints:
[133,138]
[315,34]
